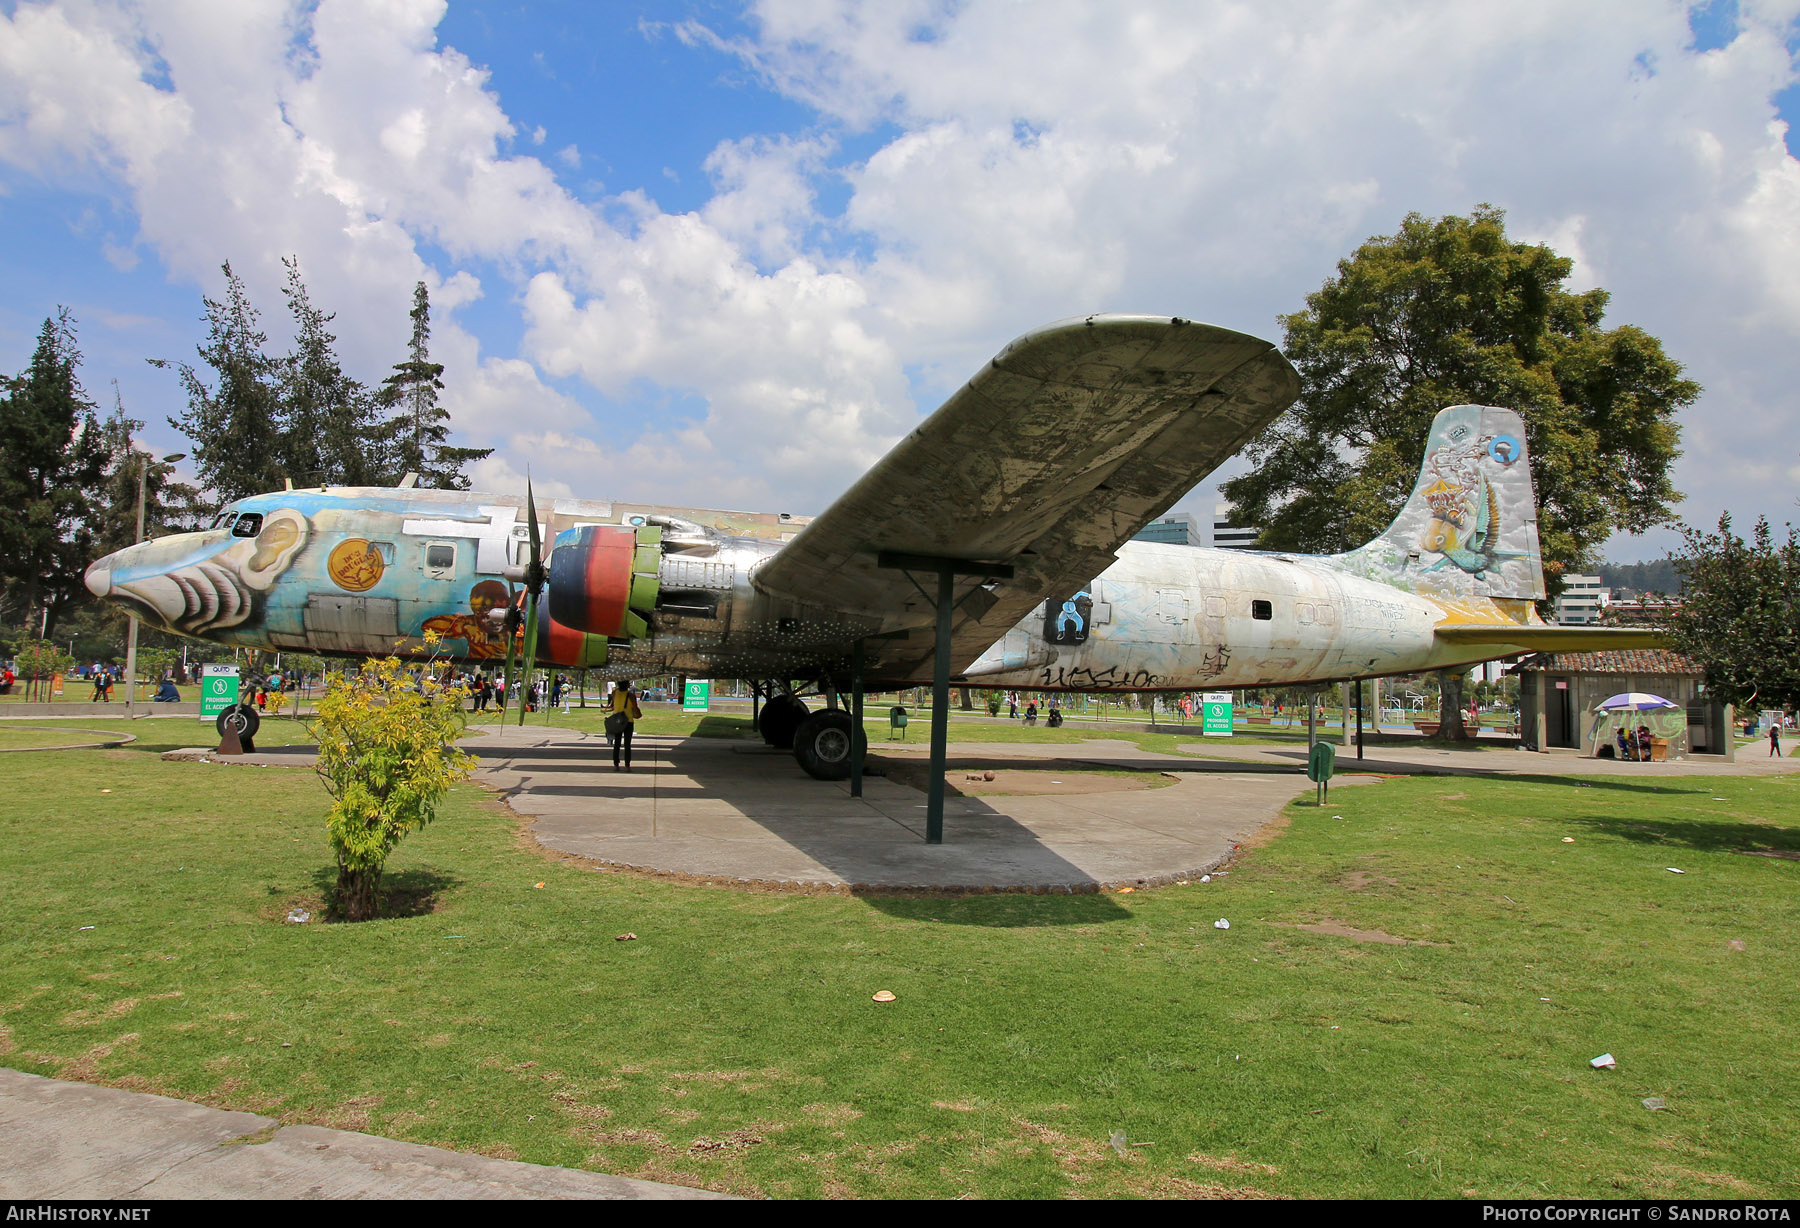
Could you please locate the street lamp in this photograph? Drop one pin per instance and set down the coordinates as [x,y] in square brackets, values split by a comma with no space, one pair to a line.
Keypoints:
[131,634]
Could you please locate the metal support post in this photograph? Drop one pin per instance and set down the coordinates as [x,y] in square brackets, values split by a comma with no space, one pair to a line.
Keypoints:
[940,708]
[1359,728]
[856,719]
[946,571]
[1312,720]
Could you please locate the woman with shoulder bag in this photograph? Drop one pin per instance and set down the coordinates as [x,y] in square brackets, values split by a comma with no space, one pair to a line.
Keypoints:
[621,721]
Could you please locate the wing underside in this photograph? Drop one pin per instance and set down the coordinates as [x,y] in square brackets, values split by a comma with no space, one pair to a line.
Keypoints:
[1070,441]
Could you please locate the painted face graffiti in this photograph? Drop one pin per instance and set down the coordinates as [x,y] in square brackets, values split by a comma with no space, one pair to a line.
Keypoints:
[211,589]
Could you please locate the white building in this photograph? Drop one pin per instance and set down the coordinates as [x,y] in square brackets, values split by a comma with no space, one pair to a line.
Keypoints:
[1581,601]
[1228,536]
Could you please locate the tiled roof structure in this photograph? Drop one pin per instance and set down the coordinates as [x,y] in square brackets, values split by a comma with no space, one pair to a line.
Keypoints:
[1618,661]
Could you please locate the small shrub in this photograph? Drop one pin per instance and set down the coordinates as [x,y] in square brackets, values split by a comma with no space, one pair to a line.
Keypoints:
[387,755]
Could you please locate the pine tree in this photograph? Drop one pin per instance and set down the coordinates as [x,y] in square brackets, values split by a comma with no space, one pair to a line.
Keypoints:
[419,426]
[54,464]
[233,425]
[331,434]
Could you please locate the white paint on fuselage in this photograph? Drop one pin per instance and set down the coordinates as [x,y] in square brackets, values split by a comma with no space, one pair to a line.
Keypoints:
[1183,617]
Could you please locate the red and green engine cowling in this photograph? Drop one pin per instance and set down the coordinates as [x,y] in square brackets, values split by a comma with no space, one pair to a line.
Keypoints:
[603,583]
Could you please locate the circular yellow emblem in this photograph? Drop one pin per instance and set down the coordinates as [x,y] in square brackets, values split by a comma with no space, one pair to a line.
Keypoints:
[355,565]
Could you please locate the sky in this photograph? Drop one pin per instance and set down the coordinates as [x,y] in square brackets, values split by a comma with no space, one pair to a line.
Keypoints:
[726,255]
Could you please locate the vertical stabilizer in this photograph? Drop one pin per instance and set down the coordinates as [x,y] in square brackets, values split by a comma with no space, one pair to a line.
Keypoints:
[1470,527]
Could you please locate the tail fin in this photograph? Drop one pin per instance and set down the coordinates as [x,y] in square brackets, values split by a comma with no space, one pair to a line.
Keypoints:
[1470,527]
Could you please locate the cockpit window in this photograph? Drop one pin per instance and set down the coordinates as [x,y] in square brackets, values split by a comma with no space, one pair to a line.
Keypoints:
[248,525]
[225,518]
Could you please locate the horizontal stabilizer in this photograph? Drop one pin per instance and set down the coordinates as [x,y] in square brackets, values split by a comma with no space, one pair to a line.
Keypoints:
[1545,638]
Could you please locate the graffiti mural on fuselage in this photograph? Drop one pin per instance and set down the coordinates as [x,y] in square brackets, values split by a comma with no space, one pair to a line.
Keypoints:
[365,571]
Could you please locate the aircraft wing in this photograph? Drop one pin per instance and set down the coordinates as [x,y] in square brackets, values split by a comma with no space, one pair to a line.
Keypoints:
[1545,638]
[1070,441]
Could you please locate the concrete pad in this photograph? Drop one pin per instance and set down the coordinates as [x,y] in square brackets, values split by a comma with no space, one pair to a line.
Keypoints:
[725,810]
[77,1141]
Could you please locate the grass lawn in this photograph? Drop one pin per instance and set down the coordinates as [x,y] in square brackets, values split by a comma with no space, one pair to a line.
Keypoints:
[1428,1037]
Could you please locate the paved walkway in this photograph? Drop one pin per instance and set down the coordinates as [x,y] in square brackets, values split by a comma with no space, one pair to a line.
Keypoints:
[77,1141]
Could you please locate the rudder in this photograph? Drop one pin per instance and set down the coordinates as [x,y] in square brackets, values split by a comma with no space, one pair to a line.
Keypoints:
[1470,528]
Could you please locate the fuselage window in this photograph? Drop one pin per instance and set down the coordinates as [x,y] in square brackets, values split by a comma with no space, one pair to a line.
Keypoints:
[1262,610]
[440,560]
[248,525]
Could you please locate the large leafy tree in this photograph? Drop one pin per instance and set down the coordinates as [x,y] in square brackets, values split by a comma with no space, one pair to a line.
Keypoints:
[1739,618]
[419,426]
[1448,311]
[53,460]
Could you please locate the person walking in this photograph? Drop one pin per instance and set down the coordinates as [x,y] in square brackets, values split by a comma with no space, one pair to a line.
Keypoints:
[1775,738]
[621,722]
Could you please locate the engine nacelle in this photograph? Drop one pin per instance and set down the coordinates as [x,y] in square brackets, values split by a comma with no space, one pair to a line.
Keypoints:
[602,576]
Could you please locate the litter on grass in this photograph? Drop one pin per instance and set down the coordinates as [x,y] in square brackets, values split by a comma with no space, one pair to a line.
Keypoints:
[1673,870]
[1654,1103]
[626,937]
[1221,924]
[1118,1141]
[299,916]
[884,995]
[1605,1061]
[1206,878]
[1568,839]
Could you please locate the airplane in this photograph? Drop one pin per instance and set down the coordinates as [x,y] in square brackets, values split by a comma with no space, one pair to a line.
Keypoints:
[1015,503]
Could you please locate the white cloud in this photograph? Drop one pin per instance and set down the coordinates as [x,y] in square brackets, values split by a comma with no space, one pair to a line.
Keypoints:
[1207,160]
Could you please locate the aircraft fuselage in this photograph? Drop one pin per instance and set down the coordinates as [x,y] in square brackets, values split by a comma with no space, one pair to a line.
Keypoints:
[353,571]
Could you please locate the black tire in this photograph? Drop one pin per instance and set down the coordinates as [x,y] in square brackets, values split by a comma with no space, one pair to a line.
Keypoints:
[242,717]
[823,745]
[780,717]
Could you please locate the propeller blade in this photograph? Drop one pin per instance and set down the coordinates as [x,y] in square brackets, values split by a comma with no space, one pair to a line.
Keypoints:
[534,578]
[509,628]
[531,612]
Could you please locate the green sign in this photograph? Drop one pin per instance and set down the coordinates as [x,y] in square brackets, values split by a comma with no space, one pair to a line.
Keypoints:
[696,695]
[218,689]
[1215,714]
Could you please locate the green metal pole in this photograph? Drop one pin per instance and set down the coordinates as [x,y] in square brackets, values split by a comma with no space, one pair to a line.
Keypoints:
[940,708]
[856,719]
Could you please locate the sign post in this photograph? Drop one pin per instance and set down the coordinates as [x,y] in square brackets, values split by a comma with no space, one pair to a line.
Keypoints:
[218,690]
[1215,714]
[696,695]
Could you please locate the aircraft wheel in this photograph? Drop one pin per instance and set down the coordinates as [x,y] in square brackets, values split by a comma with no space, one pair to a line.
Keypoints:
[241,717]
[823,745]
[780,717]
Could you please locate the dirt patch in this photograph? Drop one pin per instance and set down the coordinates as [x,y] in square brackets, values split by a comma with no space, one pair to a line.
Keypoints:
[1358,880]
[1783,854]
[1231,1164]
[1337,929]
[1669,1179]
[832,1114]
[736,1140]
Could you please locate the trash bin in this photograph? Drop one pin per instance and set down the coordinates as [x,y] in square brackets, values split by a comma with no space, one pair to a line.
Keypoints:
[897,722]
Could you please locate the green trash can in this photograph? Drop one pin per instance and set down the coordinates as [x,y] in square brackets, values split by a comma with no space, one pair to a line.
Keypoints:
[897,723]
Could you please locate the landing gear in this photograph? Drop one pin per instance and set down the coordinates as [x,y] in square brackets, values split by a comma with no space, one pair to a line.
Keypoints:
[824,745]
[240,717]
[781,716]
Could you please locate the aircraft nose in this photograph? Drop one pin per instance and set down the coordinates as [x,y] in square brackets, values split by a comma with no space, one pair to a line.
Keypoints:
[98,577]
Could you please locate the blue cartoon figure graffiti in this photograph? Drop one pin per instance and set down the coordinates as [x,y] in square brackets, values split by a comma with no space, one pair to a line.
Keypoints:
[1070,621]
